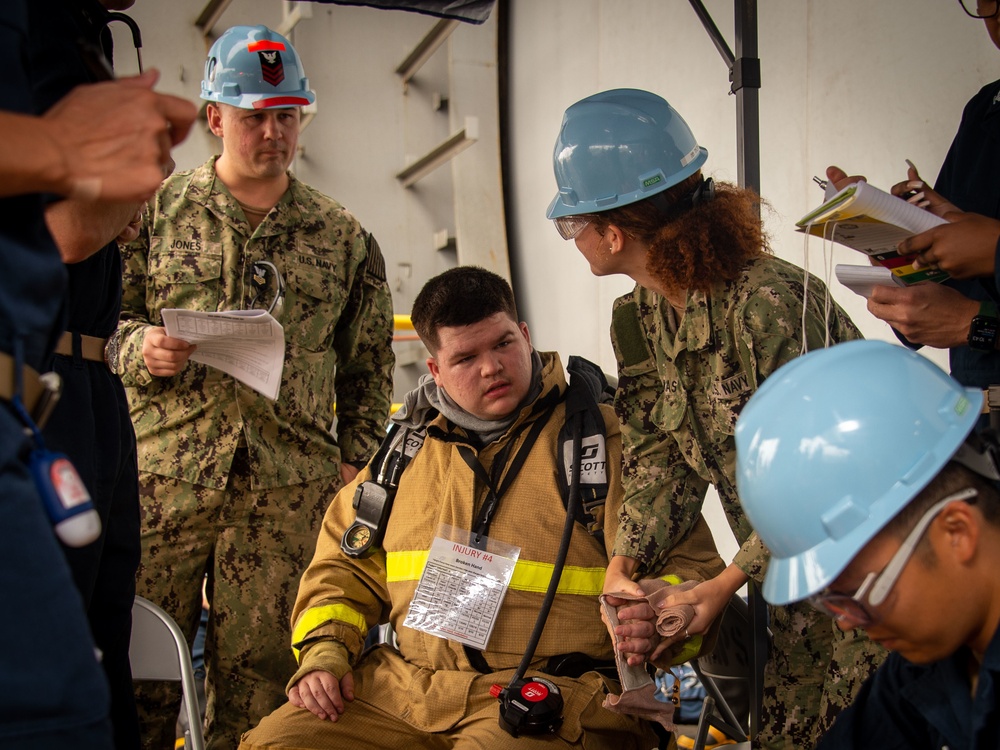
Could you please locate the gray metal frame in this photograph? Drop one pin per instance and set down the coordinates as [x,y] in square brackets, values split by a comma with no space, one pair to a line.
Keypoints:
[744,73]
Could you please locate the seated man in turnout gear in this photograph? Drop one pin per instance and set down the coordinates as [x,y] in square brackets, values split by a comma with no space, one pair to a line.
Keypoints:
[860,469]
[492,408]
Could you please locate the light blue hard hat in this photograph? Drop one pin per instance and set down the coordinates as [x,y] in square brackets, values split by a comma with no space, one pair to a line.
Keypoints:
[833,445]
[619,147]
[253,67]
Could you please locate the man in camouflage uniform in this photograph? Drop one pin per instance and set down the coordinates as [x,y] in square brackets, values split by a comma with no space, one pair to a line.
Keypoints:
[233,484]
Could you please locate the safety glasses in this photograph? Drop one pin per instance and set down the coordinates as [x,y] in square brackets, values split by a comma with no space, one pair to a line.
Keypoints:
[874,590]
[570,227]
[267,283]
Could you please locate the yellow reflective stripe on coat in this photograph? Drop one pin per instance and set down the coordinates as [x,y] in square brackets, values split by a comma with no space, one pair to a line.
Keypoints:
[535,576]
[405,566]
[691,650]
[528,574]
[313,618]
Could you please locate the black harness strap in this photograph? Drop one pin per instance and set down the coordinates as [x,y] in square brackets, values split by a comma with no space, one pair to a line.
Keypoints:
[493,493]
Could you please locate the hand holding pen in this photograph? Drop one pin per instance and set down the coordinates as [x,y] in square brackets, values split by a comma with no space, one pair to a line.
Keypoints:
[964,248]
[914,190]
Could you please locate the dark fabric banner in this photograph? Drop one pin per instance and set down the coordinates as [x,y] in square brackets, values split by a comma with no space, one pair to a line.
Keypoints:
[473,11]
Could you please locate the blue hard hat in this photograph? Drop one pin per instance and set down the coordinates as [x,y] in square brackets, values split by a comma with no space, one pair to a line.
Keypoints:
[253,67]
[833,445]
[619,147]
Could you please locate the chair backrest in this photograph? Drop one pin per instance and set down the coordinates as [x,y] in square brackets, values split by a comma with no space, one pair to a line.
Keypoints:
[159,651]
[730,659]
[733,672]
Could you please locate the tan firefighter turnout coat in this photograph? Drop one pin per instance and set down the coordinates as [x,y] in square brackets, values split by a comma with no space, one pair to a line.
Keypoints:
[340,598]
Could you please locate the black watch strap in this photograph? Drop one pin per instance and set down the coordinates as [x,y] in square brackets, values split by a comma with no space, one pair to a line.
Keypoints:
[985,327]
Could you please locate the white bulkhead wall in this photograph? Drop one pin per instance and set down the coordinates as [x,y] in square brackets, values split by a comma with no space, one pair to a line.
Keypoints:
[859,84]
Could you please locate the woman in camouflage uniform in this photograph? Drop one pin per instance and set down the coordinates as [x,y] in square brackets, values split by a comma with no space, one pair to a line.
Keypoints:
[712,314]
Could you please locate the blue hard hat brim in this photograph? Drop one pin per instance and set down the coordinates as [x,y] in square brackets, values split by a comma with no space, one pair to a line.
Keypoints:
[250,101]
[559,208]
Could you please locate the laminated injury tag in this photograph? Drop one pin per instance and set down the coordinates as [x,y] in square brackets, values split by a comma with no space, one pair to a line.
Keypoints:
[462,587]
[638,696]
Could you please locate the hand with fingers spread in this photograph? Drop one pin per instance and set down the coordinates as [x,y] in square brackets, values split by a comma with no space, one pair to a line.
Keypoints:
[964,248]
[930,314]
[322,694]
[164,355]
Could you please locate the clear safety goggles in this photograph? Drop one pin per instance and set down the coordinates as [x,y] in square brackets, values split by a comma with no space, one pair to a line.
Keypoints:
[570,227]
[875,589]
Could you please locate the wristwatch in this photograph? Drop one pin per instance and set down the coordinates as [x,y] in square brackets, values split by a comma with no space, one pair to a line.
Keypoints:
[985,327]
[111,351]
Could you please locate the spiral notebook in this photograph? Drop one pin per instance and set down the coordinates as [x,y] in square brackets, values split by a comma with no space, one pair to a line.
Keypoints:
[873,222]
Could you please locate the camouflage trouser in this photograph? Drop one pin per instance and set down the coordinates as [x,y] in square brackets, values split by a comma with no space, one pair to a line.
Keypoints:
[814,672]
[253,545]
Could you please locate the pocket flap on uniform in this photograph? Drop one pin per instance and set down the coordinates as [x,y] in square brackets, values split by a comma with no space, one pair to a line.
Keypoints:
[177,261]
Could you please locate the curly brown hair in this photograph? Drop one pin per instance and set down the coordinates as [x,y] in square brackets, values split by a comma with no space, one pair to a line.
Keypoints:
[693,248]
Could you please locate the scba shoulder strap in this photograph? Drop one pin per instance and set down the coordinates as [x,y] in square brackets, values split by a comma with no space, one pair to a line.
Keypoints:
[588,387]
[373,497]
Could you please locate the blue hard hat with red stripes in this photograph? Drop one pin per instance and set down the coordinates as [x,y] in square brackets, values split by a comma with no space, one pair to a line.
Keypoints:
[253,67]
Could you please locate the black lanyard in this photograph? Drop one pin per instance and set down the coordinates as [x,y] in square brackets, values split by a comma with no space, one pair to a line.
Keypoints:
[494,493]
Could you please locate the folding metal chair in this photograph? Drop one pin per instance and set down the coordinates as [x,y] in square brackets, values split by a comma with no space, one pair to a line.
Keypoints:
[159,651]
[733,673]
